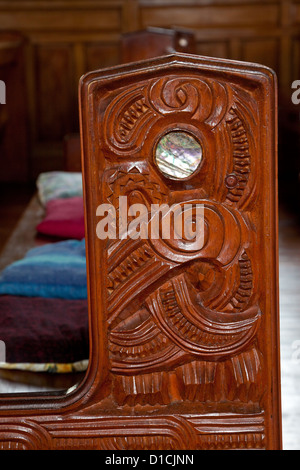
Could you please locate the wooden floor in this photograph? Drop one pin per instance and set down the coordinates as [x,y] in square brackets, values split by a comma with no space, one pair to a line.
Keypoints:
[289,282]
[289,273]
[13,200]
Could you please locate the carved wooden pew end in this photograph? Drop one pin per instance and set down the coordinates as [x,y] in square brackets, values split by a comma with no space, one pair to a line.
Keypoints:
[184,329]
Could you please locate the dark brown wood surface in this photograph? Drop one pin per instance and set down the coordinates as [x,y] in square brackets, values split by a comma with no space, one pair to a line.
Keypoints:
[155,42]
[184,344]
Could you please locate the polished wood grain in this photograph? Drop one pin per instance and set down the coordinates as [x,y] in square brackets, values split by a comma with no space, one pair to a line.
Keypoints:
[184,340]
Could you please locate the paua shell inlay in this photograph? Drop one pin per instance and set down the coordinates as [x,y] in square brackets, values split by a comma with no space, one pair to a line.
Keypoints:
[178,155]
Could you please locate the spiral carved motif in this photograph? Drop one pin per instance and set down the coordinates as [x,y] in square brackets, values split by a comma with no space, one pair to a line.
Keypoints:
[129,119]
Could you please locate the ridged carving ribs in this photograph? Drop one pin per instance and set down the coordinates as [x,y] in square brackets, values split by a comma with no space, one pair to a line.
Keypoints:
[228,430]
[241,154]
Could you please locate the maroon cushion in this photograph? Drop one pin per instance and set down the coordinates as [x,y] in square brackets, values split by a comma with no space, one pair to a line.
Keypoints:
[64,218]
[38,330]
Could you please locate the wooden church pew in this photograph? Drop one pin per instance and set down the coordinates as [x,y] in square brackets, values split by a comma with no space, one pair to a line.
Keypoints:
[184,338]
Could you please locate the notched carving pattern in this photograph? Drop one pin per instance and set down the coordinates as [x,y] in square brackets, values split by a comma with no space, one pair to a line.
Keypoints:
[131,116]
[244,292]
[240,154]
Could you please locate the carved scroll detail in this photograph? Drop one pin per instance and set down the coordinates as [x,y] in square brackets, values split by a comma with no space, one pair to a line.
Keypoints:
[27,436]
[171,328]
[131,115]
[202,332]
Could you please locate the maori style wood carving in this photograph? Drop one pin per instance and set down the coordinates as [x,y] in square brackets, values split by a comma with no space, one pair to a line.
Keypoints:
[184,336]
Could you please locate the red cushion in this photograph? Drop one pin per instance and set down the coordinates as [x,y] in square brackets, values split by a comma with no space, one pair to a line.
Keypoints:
[64,218]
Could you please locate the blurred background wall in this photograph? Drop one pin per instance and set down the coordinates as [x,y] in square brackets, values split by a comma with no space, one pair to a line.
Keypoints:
[53,42]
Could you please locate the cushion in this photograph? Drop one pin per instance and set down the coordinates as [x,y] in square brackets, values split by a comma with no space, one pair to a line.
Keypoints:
[54,270]
[37,330]
[64,218]
[58,184]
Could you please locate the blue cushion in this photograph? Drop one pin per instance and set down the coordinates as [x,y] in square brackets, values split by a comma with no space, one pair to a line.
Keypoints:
[56,270]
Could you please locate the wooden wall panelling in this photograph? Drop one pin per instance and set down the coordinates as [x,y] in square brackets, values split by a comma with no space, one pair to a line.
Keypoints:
[131,47]
[89,37]
[295,54]
[56,112]
[213,48]
[155,42]
[14,142]
[161,376]
[289,137]
[216,15]
[101,54]
[62,39]
[264,50]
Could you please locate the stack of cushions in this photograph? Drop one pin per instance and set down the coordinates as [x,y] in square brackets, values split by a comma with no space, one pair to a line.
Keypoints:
[57,185]
[43,297]
[61,195]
